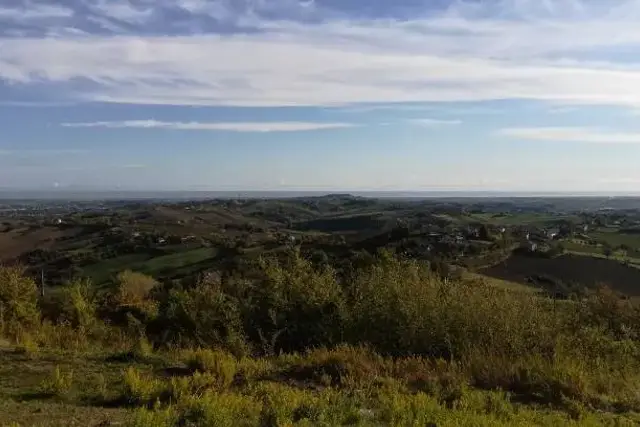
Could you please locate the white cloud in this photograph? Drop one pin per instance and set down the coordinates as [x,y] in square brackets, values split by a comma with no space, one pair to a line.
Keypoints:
[420,107]
[34,12]
[571,134]
[254,70]
[213,126]
[435,122]
[510,49]
[247,12]
[122,10]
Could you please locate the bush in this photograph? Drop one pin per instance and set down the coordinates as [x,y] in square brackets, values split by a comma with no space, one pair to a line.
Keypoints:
[400,308]
[141,351]
[80,308]
[58,383]
[220,365]
[220,409]
[344,365]
[27,344]
[133,291]
[154,417]
[18,302]
[291,306]
[139,389]
[202,316]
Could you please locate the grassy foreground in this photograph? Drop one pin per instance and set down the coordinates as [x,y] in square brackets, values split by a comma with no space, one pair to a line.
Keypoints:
[346,386]
[289,343]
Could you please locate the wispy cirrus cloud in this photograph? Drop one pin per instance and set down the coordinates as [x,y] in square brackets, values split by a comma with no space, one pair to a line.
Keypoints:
[122,10]
[259,127]
[34,11]
[435,122]
[571,134]
[292,53]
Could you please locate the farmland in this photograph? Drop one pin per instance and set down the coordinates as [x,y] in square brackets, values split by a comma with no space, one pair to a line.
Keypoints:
[184,239]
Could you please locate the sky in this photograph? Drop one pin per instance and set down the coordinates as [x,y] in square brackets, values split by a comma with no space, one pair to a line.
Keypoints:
[327,95]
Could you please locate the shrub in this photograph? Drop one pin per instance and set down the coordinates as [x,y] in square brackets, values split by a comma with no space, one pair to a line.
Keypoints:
[203,316]
[140,351]
[83,308]
[27,344]
[58,383]
[132,291]
[195,385]
[344,365]
[139,389]
[400,308]
[154,417]
[291,306]
[220,365]
[220,410]
[18,302]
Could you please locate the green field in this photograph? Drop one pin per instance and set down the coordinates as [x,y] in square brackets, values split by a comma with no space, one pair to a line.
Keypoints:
[574,246]
[614,238]
[180,262]
[520,218]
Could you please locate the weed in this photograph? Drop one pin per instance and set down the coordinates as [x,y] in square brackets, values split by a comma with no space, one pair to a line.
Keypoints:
[154,417]
[139,389]
[57,384]
[26,344]
[219,365]
[220,409]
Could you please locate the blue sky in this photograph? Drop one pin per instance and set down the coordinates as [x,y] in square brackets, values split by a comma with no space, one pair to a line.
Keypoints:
[517,95]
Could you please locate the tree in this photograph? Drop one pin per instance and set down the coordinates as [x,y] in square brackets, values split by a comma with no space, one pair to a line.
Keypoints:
[18,301]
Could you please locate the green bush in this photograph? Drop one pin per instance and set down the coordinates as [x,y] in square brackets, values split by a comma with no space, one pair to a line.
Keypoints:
[341,366]
[18,302]
[291,306]
[399,307]
[132,293]
[140,389]
[220,409]
[202,316]
[154,417]
[58,383]
[73,304]
[221,366]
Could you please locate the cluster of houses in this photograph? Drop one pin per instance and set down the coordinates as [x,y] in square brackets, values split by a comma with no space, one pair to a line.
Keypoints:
[530,237]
